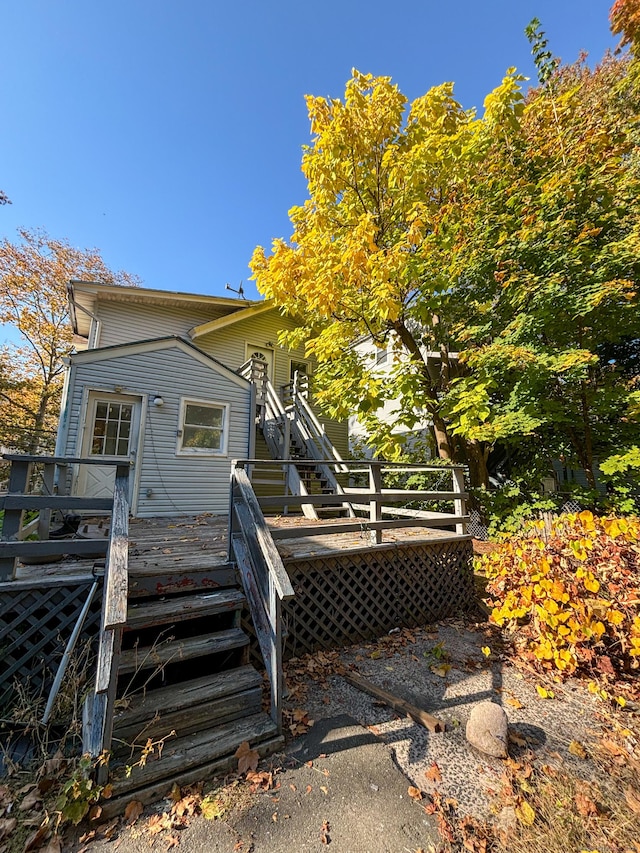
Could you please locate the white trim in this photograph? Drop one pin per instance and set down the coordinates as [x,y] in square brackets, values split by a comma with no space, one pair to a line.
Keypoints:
[196,452]
[229,319]
[123,350]
[83,412]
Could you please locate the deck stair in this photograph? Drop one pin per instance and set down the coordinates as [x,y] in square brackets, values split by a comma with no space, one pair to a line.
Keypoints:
[184,683]
[290,429]
[175,695]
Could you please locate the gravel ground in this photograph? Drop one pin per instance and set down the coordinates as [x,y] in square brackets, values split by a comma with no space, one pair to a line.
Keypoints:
[544,726]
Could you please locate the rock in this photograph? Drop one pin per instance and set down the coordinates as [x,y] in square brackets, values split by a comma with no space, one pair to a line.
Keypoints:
[487,729]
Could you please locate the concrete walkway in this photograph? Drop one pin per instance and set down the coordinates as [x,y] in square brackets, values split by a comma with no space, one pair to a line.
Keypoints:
[339,789]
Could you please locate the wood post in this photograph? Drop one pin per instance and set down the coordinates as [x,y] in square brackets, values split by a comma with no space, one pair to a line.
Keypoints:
[459,504]
[18,482]
[375,506]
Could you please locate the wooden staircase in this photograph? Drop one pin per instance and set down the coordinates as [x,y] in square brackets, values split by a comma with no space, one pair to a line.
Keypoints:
[185,693]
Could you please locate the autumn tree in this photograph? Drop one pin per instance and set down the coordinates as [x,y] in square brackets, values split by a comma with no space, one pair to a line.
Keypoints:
[34,274]
[546,301]
[511,238]
[370,252]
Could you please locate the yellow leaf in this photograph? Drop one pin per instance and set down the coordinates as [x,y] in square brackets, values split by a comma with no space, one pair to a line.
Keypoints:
[577,749]
[544,693]
[515,703]
[486,651]
[525,813]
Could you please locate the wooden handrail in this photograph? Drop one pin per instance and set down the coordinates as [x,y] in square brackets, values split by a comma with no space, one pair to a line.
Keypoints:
[265,580]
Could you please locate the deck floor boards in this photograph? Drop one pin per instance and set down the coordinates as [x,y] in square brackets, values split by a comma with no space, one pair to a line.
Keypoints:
[199,543]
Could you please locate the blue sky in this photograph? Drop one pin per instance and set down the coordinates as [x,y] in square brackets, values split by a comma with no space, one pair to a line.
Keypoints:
[168,134]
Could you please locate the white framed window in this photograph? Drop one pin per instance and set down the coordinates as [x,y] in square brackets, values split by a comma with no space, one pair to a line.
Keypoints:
[204,428]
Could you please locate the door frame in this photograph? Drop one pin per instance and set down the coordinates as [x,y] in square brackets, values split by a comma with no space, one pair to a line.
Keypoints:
[91,392]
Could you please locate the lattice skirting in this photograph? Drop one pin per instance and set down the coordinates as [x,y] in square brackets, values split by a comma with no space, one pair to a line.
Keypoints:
[35,625]
[350,597]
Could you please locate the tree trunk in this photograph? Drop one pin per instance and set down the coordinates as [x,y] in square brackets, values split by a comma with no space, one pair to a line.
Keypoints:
[477,460]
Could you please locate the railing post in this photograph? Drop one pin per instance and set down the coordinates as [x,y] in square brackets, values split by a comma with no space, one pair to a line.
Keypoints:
[375,505]
[459,505]
[48,480]
[18,481]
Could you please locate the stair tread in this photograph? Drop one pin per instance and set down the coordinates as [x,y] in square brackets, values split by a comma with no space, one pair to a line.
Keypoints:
[187,607]
[188,693]
[182,753]
[172,651]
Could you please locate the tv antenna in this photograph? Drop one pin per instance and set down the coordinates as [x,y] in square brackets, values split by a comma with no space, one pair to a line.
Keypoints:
[239,291]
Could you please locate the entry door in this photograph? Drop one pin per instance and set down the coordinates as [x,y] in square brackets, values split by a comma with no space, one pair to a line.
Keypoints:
[111,432]
[263,354]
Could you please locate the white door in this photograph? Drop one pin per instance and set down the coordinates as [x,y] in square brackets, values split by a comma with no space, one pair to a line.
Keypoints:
[111,431]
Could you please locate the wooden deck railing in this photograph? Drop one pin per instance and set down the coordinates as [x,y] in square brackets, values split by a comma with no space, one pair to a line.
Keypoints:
[379,506]
[264,577]
[98,710]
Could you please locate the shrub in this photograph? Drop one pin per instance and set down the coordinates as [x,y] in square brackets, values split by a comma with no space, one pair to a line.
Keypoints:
[572,597]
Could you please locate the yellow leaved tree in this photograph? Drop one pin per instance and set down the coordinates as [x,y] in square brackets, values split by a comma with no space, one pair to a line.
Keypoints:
[34,274]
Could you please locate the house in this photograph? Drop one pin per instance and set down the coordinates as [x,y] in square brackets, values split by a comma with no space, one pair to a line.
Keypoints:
[383,361]
[156,380]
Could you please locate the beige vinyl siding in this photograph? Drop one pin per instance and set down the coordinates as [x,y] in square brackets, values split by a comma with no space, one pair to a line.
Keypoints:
[123,323]
[229,346]
[179,484]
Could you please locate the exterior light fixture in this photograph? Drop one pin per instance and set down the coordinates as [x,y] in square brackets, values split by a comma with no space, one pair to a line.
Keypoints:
[157,401]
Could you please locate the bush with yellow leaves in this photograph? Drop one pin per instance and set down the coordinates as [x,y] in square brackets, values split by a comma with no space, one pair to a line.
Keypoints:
[572,597]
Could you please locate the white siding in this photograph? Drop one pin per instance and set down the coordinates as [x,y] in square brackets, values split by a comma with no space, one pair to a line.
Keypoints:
[178,484]
[124,322]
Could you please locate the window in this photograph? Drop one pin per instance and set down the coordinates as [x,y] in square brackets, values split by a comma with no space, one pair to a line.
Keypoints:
[204,428]
[111,429]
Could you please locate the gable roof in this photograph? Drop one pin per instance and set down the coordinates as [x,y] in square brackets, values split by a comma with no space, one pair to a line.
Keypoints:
[84,295]
[89,356]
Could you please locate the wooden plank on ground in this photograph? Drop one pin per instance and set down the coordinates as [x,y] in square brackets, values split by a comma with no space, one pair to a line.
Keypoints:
[400,705]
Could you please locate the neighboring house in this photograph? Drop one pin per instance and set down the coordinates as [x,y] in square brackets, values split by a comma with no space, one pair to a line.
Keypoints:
[382,361]
[157,382]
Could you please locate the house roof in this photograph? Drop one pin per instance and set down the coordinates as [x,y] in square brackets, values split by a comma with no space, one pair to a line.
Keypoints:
[90,356]
[84,295]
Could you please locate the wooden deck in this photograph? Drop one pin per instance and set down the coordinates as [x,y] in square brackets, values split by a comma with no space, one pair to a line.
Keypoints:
[184,544]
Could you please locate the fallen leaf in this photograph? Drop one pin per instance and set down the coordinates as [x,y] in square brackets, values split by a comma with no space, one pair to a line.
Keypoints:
[486,651]
[107,792]
[577,749]
[414,793]
[433,774]
[516,739]
[324,833]
[441,670]
[544,692]
[7,825]
[172,841]
[309,789]
[633,799]
[292,786]
[31,800]
[515,703]
[525,813]
[247,758]
[54,845]
[133,811]
[36,838]
[585,806]
[324,789]
[95,812]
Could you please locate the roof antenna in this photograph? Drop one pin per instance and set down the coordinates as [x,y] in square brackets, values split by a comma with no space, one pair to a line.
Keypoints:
[239,291]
